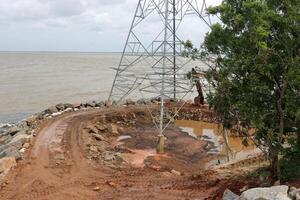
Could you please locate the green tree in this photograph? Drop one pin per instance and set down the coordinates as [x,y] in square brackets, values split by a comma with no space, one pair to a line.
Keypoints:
[256,71]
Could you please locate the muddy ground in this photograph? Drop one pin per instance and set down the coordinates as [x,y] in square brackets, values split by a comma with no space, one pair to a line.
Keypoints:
[80,155]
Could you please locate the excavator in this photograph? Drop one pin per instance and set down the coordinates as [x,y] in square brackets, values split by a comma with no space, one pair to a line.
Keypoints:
[199,100]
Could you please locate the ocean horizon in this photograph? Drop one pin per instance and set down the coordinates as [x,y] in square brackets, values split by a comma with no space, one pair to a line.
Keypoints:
[32,81]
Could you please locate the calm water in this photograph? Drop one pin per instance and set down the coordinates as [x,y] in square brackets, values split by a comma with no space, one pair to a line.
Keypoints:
[214,134]
[31,82]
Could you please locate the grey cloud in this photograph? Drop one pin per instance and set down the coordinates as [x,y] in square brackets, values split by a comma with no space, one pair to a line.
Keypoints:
[110,18]
[111,13]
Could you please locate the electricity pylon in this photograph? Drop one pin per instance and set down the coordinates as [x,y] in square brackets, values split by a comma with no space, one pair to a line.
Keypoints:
[152,63]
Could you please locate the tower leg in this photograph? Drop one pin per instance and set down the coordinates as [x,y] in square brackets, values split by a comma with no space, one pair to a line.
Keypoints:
[161,144]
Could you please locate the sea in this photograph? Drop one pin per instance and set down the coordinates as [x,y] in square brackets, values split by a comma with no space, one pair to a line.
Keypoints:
[33,81]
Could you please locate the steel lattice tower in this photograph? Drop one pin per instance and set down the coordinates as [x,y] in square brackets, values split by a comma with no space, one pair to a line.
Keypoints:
[156,66]
[149,65]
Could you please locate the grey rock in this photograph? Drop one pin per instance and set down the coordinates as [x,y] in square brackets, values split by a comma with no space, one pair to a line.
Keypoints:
[98,137]
[264,193]
[82,105]
[51,110]
[18,141]
[100,104]
[60,107]
[13,130]
[92,129]
[229,195]
[2,154]
[23,125]
[12,148]
[141,101]
[77,105]
[91,104]
[108,104]
[4,139]
[129,102]
[3,147]
[110,156]
[11,151]
[40,116]
[69,105]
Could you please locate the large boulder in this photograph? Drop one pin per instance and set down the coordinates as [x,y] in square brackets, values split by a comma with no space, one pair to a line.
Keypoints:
[91,104]
[51,110]
[229,195]
[272,193]
[23,125]
[100,104]
[11,151]
[60,107]
[5,138]
[77,105]
[13,130]
[19,140]
[69,105]
[31,120]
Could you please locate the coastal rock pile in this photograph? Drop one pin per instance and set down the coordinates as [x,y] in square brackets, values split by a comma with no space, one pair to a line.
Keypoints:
[13,138]
[281,192]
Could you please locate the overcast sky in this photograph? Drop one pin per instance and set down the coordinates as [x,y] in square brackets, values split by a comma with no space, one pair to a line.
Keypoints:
[66,25]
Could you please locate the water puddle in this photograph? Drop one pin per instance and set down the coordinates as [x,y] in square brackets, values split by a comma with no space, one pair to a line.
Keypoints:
[213,134]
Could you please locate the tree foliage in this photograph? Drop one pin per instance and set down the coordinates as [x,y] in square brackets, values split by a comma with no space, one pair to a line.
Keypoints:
[256,71]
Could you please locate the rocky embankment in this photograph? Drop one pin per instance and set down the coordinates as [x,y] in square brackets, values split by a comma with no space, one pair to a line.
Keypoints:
[281,192]
[16,138]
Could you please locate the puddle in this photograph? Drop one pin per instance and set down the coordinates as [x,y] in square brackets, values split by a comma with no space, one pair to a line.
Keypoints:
[213,133]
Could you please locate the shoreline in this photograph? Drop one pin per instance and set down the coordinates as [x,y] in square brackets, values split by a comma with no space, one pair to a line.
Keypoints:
[21,132]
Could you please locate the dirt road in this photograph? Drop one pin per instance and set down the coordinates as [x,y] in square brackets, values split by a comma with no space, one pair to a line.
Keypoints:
[60,166]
